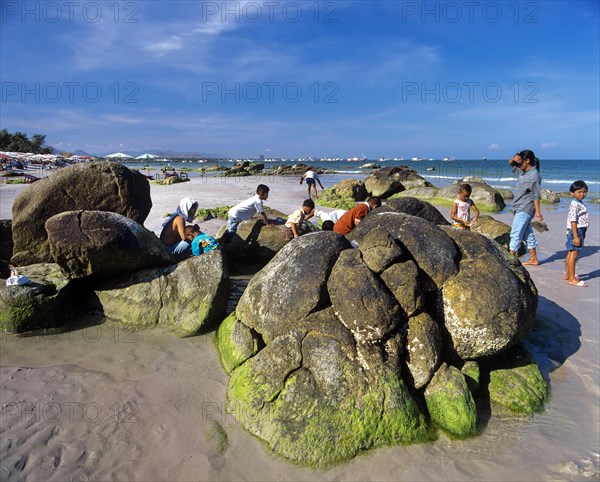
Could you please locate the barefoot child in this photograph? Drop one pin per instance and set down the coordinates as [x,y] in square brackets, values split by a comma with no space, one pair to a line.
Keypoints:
[293,226]
[577,224]
[312,178]
[460,212]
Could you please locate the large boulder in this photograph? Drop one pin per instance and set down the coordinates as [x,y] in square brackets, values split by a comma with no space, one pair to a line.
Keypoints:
[313,379]
[102,186]
[43,303]
[416,207]
[344,195]
[103,245]
[255,240]
[388,181]
[485,197]
[337,355]
[437,258]
[188,298]
[506,298]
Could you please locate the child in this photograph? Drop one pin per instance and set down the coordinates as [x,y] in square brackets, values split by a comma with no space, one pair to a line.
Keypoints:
[460,212]
[201,242]
[246,209]
[577,223]
[354,216]
[293,226]
[333,216]
[311,180]
[327,225]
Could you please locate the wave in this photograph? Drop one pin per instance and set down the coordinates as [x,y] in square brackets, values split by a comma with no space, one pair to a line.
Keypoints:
[565,181]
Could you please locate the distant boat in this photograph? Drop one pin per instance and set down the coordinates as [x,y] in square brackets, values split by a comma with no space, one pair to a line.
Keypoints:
[430,168]
[448,158]
[354,159]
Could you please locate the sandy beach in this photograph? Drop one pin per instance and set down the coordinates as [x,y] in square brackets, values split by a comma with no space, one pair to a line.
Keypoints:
[105,402]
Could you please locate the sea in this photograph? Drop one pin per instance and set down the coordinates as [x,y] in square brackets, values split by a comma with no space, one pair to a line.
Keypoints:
[557,174]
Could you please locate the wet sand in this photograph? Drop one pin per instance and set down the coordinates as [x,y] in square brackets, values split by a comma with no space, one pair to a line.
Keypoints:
[104,402]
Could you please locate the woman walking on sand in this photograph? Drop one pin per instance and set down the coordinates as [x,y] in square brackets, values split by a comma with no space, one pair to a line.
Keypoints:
[526,204]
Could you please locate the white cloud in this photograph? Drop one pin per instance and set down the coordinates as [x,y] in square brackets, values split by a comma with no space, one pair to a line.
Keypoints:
[546,145]
[166,45]
[494,147]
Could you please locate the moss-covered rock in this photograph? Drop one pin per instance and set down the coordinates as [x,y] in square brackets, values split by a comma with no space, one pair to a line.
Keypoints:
[549,197]
[188,297]
[472,375]
[320,411]
[388,181]
[344,195]
[338,355]
[167,181]
[219,212]
[450,402]
[485,197]
[235,342]
[44,303]
[516,384]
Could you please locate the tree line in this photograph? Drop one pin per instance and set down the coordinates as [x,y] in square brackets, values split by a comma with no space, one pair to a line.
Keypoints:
[19,142]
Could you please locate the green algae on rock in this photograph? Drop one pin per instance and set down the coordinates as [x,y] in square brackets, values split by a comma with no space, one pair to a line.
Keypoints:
[356,349]
[517,385]
[344,195]
[450,402]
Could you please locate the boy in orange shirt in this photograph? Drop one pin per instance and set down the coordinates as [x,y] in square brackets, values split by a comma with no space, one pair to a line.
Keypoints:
[355,215]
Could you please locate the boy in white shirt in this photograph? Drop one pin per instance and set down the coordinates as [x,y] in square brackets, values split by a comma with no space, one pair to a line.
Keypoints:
[246,209]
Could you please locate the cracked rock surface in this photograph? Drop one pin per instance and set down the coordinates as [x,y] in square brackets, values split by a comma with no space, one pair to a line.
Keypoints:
[333,350]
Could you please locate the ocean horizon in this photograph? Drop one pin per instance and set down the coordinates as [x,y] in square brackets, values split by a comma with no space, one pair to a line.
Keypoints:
[557,174]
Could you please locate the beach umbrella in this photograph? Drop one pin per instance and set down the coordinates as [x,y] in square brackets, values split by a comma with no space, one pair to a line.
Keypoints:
[119,155]
[147,156]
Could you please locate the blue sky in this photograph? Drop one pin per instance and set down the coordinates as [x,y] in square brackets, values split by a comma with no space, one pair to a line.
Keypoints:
[291,79]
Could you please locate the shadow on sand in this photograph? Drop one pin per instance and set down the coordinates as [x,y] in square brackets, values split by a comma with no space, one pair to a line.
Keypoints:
[554,338]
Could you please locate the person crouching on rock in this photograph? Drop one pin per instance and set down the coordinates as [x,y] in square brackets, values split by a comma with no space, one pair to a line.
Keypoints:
[355,215]
[173,233]
[201,242]
[293,226]
[245,210]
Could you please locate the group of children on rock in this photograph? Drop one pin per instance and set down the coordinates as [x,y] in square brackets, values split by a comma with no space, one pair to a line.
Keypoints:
[184,240]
